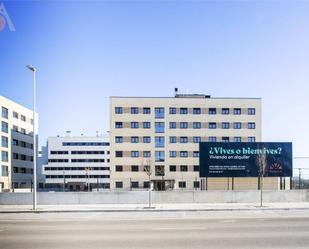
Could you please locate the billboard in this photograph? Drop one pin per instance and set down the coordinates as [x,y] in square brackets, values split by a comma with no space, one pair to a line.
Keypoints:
[245,159]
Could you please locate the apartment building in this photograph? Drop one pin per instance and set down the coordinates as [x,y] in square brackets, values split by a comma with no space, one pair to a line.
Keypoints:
[16,145]
[157,139]
[77,163]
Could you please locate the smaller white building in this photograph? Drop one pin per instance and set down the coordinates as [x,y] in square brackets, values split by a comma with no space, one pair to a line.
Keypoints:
[77,163]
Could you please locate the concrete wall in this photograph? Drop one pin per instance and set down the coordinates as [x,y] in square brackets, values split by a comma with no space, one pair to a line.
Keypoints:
[140,197]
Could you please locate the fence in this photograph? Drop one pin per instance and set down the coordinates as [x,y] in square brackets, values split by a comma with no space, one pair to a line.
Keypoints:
[141,197]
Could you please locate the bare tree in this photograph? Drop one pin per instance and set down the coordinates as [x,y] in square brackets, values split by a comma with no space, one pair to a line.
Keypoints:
[261,159]
[148,170]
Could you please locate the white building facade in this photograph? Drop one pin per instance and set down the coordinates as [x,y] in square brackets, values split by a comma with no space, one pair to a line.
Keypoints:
[16,145]
[77,163]
[161,135]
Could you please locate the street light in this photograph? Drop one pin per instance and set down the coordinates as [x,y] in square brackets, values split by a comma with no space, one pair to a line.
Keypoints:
[34,70]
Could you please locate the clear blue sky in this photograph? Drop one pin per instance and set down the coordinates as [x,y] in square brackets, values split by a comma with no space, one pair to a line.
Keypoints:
[88,51]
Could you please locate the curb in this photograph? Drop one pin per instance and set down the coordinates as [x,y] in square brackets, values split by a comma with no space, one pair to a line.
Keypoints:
[147,210]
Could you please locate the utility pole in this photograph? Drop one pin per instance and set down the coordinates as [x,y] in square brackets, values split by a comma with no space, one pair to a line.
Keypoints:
[34,70]
[63,181]
[299,177]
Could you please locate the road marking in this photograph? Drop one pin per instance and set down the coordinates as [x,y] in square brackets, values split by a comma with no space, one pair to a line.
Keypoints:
[178,228]
[227,221]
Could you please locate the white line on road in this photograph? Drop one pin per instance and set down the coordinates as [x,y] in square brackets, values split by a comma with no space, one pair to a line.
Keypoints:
[178,228]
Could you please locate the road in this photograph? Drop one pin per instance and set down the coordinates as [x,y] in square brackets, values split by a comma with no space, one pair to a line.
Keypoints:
[95,230]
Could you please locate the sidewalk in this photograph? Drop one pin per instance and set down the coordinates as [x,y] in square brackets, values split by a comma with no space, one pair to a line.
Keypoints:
[186,207]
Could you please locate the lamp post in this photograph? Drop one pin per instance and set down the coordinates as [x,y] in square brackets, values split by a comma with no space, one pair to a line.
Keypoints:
[34,70]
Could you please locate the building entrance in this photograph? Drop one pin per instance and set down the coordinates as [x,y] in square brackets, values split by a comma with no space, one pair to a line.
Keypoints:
[162,185]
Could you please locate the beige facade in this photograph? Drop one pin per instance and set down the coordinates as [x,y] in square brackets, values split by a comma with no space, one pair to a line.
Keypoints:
[164,133]
[16,145]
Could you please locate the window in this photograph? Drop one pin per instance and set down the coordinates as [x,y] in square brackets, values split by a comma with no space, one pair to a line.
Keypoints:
[119,168]
[251,139]
[23,118]
[159,170]
[196,139]
[146,168]
[5,156]
[119,153]
[5,112]
[134,168]
[237,125]
[237,139]
[196,184]
[159,127]
[15,115]
[251,111]
[183,153]
[134,153]
[119,184]
[147,140]
[146,185]
[212,139]
[183,168]
[172,110]
[22,130]
[225,111]
[196,125]
[212,125]
[183,140]
[134,110]
[237,111]
[134,125]
[182,184]
[173,153]
[197,111]
[172,168]
[118,110]
[159,156]
[15,142]
[4,142]
[118,140]
[183,125]
[4,170]
[196,168]
[183,110]
[172,125]
[15,128]
[172,140]
[65,152]
[4,127]
[159,112]
[134,184]
[196,154]
[134,140]
[251,125]
[159,142]
[146,110]
[118,125]
[225,125]
[146,153]
[225,139]
[146,125]
[212,111]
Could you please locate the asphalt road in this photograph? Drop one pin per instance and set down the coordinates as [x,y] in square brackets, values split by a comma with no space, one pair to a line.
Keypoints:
[93,230]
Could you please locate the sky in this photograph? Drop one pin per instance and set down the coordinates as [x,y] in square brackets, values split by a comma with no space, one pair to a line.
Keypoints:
[86,51]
